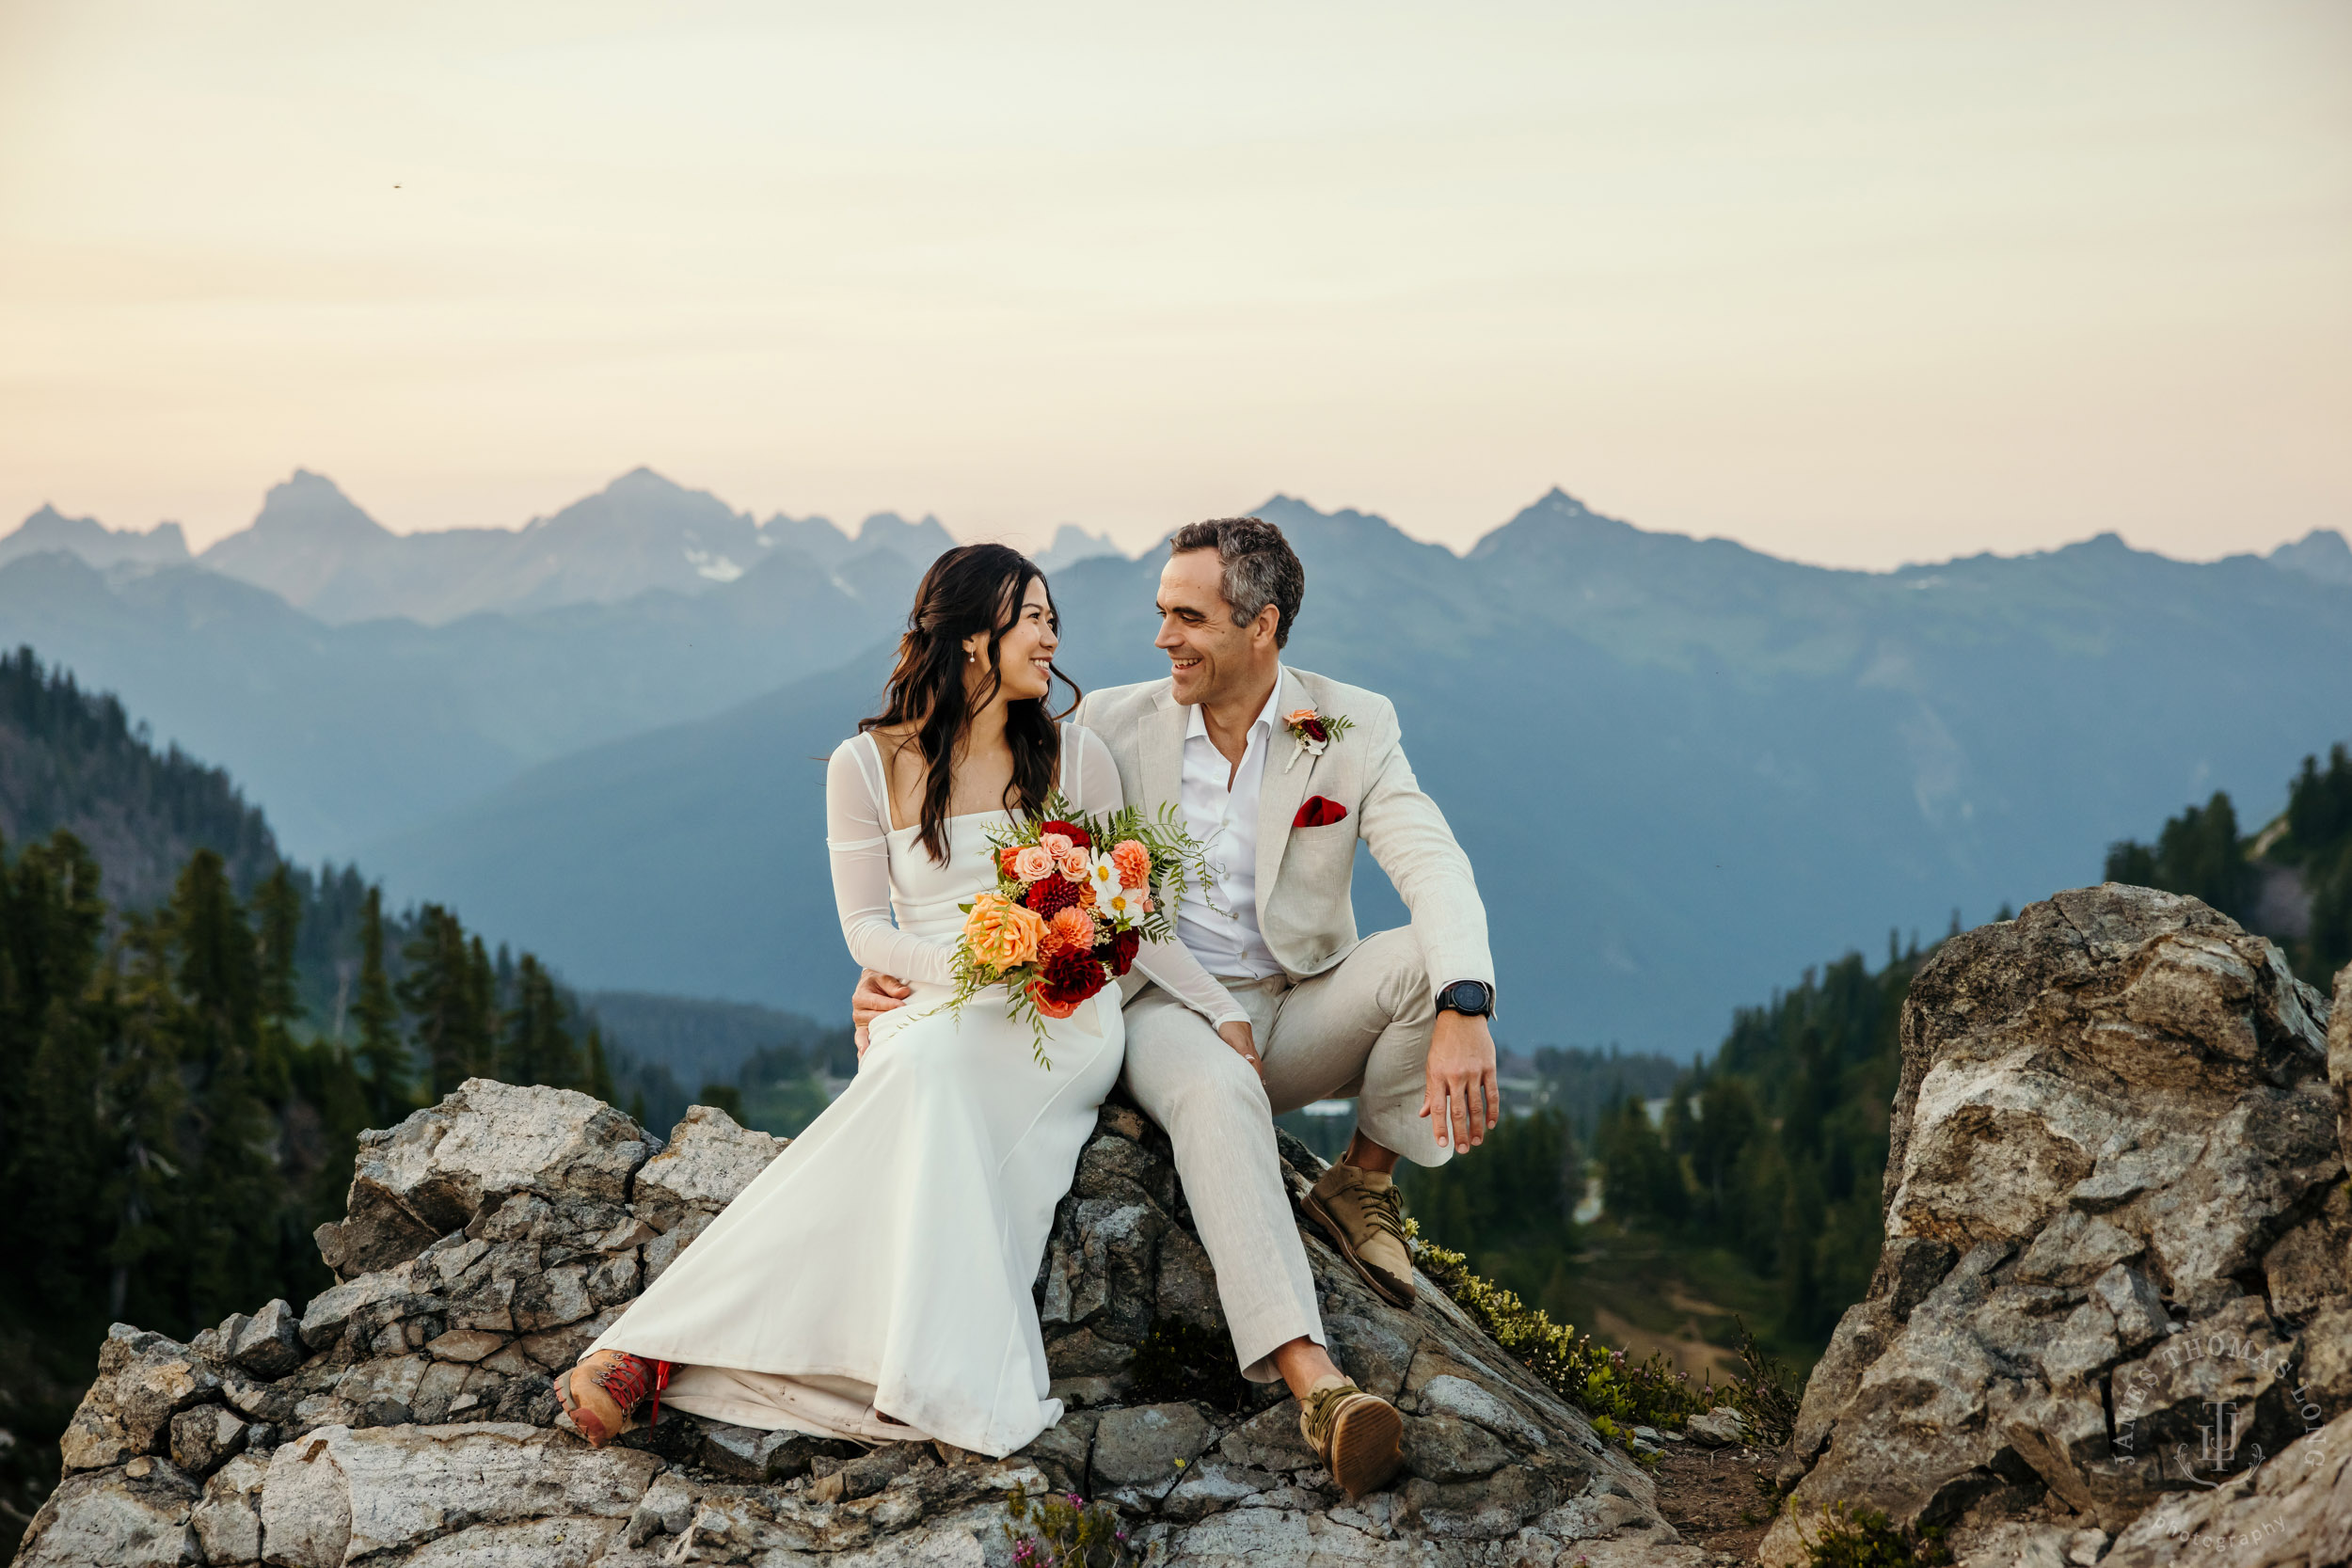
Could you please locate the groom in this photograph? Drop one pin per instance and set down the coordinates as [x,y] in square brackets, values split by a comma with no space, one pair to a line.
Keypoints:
[1278,773]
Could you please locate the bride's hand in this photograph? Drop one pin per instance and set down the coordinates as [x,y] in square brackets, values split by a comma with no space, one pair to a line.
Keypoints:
[877,993]
[1244,1043]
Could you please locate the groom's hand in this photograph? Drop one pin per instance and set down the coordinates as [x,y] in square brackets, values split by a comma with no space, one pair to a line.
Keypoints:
[877,993]
[1461,1093]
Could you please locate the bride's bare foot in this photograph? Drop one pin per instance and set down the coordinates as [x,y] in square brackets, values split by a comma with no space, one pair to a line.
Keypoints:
[602,1391]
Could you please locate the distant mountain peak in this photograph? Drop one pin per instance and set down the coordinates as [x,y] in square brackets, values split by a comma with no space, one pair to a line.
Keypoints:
[2321,553]
[93,541]
[313,506]
[642,481]
[1560,500]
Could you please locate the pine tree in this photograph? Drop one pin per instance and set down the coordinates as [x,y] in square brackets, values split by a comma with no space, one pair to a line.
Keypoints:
[278,902]
[482,993]
[140,1097]
[52,1153]
[440,994]
[539,1049]
[383,1056]
[601,1071]
[228,1219]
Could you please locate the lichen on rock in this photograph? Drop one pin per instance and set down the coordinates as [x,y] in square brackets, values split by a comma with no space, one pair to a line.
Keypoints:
[406,1416]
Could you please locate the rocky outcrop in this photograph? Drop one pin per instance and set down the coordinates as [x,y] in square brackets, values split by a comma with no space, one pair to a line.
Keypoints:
[406,1416]
[2115,1301]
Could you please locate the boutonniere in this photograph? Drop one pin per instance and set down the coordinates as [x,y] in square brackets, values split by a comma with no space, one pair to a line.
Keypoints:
[1314,733]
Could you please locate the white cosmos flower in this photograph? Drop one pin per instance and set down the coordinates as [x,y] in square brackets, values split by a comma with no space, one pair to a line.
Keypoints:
[1103,876]
[1122,905]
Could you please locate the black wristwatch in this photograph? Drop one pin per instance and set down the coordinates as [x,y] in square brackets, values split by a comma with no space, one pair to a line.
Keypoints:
[1473,998]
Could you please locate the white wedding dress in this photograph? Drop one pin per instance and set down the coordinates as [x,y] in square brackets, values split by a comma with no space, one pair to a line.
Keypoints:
[884,1261]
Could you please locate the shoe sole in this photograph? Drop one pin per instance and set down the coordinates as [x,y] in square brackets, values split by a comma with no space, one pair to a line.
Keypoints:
[1338,1235]
[1365,1455]
[586,1421]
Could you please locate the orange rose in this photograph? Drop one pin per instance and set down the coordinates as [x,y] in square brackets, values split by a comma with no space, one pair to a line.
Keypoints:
[1085,895]
[1006,858]
[1034,863]
[1071,930]
[1133,861]
[1001,933]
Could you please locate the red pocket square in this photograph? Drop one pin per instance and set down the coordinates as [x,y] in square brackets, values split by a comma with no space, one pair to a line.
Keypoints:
[1320,811]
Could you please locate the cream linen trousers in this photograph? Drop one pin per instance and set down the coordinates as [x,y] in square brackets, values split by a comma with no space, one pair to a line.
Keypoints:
[1360,1030]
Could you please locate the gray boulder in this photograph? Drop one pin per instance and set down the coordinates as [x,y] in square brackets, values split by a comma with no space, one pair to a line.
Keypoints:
[406,1417]
[2114,1207]
[709,1161]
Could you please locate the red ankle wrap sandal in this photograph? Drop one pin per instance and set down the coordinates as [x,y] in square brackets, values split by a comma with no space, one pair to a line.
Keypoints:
[626,1379]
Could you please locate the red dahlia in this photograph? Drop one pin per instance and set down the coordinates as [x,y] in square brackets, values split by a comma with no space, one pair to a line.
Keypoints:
[1122,956]
[1051,896]
[1314,729]
[1070,977]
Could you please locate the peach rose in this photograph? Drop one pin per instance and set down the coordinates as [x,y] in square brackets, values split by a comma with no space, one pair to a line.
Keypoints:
[1033,862]
[1001,933]
[1133,861]
[1071,930]
[1298,716]
[1058,843]
[1073,862]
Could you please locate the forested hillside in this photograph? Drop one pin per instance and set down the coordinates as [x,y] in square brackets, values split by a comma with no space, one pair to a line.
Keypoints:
[1752,1194]
[71,758]
[2291,880]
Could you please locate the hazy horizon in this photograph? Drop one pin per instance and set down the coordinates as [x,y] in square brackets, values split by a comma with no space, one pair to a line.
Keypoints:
[851,525]
[1849,285]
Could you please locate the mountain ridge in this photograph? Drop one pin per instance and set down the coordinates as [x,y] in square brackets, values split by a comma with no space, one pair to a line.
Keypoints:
[1848,750]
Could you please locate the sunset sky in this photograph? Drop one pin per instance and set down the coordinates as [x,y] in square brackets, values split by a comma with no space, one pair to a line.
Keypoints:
[1851,282]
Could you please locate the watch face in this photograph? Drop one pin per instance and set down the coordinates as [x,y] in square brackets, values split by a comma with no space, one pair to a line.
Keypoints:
[1465,996]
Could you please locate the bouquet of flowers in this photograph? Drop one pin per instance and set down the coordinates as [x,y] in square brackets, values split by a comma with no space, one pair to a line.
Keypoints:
[1075,896]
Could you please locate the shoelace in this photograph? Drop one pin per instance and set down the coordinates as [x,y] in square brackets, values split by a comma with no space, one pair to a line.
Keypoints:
[1323,1408]
[1385,1210]
[625,1379]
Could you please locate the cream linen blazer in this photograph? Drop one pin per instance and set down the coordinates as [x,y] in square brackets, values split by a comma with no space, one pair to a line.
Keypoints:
[1305,874]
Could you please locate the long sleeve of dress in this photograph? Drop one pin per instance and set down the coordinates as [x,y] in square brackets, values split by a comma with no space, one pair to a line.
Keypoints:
[1169,964]
[857,837]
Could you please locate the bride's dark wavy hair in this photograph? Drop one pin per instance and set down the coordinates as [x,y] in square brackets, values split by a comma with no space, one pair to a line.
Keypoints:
[972,588]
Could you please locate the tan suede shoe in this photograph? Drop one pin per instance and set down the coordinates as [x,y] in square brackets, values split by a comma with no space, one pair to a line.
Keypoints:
[1364,1215]
[1355,1434]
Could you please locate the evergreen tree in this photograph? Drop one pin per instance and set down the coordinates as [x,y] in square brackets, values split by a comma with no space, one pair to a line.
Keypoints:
[2198,853]
[227,1204]
[383,1056]
[140,1099]
[52,1155]
[278,903]
[440,995]
[539,1049]
[600,1072]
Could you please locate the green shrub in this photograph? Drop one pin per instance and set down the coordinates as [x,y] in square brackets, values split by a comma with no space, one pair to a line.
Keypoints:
[1600,1382]
[1847,1537]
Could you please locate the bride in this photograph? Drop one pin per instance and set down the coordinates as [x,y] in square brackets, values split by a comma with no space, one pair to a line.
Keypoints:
[874,1282]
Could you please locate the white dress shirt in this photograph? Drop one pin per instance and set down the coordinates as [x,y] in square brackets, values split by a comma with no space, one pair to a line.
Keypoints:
[1225,821]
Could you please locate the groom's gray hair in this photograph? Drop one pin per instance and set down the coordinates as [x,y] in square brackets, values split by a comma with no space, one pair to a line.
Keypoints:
[1259,567]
